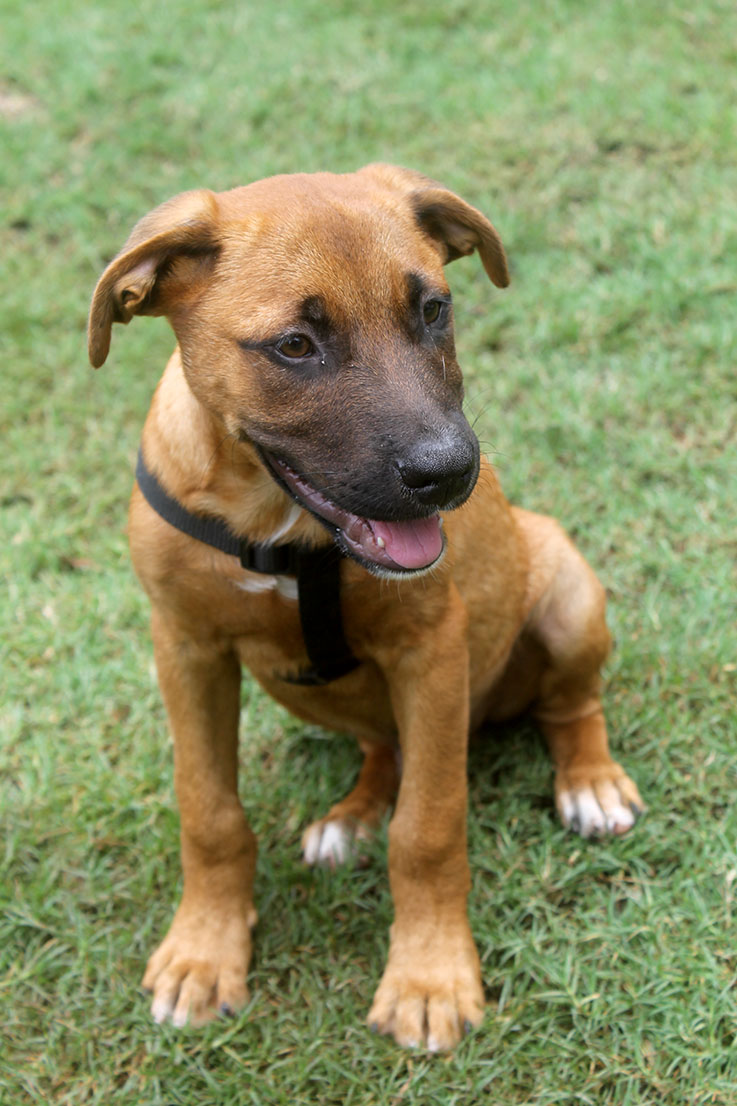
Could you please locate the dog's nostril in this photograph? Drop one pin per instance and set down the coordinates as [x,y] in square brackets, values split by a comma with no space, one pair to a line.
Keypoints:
[438,481]
[420,479]
[416,478]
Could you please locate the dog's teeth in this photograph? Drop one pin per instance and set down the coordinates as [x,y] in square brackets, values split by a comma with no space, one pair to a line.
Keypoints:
[380,542]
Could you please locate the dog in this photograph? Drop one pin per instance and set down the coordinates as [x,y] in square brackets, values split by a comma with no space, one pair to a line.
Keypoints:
[305,445]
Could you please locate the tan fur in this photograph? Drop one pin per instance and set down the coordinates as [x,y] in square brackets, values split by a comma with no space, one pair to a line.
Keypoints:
[511,618]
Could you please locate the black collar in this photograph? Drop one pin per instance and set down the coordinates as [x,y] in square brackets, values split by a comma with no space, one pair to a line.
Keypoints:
[317,572]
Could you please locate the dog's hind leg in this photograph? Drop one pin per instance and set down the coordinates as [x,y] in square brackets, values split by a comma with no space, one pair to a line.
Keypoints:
[332,840]
[593,794]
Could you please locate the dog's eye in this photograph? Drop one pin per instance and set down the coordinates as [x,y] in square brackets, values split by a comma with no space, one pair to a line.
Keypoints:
[431,311]
[296,346]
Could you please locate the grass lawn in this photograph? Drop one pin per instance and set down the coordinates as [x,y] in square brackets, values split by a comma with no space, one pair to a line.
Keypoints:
[600,138]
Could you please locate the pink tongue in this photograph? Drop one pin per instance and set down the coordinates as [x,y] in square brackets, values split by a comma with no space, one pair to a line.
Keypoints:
[411,544]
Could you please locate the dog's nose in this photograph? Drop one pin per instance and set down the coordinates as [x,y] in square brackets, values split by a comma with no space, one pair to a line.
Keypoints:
[439,470]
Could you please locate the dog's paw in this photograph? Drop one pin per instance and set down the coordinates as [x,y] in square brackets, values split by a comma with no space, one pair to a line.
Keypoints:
[597,802]
[334,841]
[199,970]
[429,1000]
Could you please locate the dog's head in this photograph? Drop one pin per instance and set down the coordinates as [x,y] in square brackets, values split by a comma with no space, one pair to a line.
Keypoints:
[315,323]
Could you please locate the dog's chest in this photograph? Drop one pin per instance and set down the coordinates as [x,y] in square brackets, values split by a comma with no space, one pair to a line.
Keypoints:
[262,620]
[267,635]
[255,583]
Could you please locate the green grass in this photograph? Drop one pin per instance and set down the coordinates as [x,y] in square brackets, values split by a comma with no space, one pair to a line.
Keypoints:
[600,138]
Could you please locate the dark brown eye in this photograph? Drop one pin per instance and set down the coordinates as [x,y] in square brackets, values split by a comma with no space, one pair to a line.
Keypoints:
[431,311]
[296,346]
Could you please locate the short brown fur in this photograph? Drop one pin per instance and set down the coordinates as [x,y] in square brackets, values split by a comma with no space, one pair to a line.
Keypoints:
[512,618]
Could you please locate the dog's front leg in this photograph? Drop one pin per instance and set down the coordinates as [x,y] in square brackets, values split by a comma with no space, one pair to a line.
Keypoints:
[200,968]
[431,992]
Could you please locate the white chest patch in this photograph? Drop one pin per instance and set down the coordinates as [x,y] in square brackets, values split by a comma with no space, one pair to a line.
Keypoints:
[285,586]
[291,517]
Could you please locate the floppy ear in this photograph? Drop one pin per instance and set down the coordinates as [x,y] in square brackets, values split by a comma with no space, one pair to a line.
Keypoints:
[454,226]
[136,282]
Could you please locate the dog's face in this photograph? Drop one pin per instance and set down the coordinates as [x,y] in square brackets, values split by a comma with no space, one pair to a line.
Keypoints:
[315,322]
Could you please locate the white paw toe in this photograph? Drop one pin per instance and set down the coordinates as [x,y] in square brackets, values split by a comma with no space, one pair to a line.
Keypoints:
[179,1018]
[580,812]
[327,843]
[619,819]
[161,1009]
[594,813]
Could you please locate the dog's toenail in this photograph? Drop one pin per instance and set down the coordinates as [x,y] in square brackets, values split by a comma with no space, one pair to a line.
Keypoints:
[227,1010]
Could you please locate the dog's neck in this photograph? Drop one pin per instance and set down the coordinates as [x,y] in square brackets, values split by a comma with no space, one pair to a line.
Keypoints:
[216,474]
[315,574]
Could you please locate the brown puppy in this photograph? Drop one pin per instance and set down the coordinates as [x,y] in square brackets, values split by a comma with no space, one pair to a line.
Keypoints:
[315,398]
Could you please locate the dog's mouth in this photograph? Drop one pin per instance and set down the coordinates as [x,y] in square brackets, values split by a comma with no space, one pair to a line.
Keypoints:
[399,547]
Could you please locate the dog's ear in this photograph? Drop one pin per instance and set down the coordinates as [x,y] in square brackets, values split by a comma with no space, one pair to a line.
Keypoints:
[164,251]
[460,229]
[455,227]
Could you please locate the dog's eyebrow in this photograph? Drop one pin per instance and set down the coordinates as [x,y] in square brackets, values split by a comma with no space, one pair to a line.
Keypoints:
[314,311]
[311,311]
[417,290]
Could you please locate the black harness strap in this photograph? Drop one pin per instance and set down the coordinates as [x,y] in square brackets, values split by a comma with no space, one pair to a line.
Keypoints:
[318,588]
[317,572]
